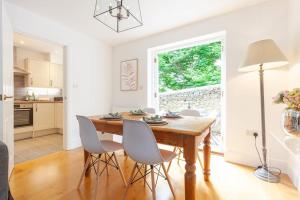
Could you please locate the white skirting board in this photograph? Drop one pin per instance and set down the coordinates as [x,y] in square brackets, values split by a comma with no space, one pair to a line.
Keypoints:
[27,132]
[289,166]
[253,161]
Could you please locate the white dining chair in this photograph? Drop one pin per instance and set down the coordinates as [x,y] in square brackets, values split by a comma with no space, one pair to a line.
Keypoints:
[149,110]
[141,146]
[179,150]
[190,112]
[96,148]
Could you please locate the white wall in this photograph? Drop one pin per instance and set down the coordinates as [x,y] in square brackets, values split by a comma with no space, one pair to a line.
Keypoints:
[268,20]
[87,73]
[294,42]
[294,74]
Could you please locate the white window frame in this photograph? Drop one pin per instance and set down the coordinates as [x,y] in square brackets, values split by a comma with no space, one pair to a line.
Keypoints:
[152,70]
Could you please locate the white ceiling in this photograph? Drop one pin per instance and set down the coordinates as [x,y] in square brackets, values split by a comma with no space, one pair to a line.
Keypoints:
[158,15]
[34,44]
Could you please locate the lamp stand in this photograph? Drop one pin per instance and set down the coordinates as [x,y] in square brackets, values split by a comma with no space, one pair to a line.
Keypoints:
[264,172]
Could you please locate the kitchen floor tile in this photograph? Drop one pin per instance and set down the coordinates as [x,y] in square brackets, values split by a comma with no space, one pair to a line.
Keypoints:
[29,149]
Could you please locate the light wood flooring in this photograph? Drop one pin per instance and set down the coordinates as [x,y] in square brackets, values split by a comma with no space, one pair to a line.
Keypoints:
[55,177]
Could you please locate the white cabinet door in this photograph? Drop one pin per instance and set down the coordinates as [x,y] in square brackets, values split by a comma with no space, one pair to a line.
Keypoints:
[39,72]
[56,75]
[43,116]
[59,115]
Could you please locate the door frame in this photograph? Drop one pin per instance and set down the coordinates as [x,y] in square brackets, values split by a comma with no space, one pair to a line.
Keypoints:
[65,94]
[152,69]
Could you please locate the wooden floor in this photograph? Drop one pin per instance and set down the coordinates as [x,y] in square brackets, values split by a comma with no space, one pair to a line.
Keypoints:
[55,177]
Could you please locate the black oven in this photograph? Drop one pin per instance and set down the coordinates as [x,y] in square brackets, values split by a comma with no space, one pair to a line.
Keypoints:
[23,115]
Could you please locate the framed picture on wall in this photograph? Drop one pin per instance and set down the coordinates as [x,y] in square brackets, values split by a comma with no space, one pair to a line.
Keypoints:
[129,75]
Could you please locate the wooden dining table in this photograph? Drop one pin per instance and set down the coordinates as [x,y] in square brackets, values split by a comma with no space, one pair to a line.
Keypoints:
[186,132]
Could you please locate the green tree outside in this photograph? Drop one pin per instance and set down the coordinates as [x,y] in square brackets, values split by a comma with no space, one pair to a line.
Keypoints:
[190,67]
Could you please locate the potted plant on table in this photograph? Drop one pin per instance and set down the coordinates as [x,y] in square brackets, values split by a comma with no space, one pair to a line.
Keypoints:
[291,115]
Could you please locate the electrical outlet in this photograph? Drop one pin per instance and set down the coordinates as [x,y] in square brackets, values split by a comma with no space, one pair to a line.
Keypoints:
[251,132]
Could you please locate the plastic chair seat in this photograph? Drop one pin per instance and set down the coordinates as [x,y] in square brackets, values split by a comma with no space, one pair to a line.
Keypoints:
[111,146]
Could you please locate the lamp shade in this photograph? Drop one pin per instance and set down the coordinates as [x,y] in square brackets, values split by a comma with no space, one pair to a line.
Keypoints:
[265,54]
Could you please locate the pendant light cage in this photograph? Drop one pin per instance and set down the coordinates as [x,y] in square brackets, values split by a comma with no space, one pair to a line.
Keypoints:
[119,15]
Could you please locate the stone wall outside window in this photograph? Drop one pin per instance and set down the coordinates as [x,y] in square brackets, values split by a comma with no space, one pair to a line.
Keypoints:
[206,99]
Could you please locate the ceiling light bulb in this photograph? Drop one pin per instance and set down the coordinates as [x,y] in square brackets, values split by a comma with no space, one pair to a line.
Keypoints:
[22,42]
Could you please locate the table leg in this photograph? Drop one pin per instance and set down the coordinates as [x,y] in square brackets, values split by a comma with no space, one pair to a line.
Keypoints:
[207,152]
[88,171]
[190,155]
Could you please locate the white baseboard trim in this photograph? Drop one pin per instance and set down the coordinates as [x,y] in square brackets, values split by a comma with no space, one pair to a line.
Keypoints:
[73,144]
[253,161]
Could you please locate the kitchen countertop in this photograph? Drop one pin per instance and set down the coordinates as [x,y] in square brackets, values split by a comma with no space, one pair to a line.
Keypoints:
[36,101]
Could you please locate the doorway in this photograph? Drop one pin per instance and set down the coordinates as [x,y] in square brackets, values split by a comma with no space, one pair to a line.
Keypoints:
[38,98]
[190,75]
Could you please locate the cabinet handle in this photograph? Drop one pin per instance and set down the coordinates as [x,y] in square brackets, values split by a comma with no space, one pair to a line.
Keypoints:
[36,109]
[51,82]
[31,81]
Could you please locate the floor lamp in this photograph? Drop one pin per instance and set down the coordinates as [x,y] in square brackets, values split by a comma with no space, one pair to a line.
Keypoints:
[263,55]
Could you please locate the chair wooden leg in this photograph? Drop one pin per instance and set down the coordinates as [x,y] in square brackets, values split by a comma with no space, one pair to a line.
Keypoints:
[153,183]
[120,170]
[130,180]
[97,177]
[200,160]
[174,150]
[86,165]
[168,179]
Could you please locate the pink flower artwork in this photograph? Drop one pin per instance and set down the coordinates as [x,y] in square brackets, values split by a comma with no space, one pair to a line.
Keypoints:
[129,75]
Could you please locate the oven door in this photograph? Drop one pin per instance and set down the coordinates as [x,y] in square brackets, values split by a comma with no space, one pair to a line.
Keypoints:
[23,117]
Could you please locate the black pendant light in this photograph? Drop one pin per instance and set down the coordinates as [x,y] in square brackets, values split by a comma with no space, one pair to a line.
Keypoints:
[119,15]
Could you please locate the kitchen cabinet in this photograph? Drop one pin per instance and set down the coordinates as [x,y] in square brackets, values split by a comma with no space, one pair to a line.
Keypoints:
[56,75]
[43,74]
[59,115]
[43,116]
[39,73]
